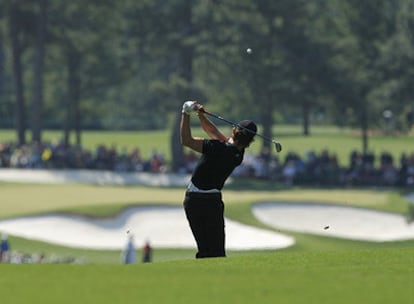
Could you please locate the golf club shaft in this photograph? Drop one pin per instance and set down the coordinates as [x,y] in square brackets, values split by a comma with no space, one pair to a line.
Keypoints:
[277,144]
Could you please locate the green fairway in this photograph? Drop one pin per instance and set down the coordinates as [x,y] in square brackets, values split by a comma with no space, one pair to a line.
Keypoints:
[354,276]
[18,199]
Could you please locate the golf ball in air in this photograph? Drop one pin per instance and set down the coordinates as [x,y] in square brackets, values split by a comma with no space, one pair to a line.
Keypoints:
[249,51]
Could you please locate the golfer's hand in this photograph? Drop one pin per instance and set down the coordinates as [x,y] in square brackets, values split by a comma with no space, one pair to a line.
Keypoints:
[189,107]
[199,108]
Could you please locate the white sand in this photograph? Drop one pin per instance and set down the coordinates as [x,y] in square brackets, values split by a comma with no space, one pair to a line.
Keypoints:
[162,226]
[336,221]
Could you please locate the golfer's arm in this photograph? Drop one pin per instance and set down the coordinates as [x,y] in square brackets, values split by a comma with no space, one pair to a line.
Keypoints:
[187,139]
[210,128]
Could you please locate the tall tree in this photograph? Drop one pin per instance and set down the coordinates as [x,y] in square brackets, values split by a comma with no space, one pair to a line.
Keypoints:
[39,71]
[2,82]
[397,61]
[362,27]
[82,34]
[185,72]
[15,31]
[72,119]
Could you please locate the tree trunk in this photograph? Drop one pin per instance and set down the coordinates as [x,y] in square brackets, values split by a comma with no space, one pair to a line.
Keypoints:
[2,71]
[18,77]
[364,128]
[305,113]
[73,95]
[77,116]
[176,147]
[67,121]
[185,71]
[38,73]
[267,123]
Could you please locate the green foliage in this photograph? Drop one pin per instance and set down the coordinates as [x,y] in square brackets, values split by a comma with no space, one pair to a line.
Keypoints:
[129,64]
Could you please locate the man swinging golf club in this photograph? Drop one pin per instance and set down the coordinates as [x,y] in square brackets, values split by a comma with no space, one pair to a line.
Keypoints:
[203,203]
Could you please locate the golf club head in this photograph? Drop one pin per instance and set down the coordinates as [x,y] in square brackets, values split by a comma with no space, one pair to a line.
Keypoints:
[278,146]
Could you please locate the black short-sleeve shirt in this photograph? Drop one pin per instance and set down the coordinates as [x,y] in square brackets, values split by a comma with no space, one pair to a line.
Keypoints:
[217,162]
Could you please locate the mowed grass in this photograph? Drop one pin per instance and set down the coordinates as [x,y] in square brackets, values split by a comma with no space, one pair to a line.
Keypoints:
[359,276]
[23,199]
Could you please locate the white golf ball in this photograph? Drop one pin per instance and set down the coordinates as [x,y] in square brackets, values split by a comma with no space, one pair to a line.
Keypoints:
[249,50]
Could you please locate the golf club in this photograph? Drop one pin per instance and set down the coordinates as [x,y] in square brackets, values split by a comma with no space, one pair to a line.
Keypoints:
[277,144]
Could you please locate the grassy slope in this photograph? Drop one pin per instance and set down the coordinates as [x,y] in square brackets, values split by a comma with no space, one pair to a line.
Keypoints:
[358,276]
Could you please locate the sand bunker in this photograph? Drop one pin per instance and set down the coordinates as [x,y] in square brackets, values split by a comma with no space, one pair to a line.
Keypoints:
[163,226]
[167,226]
[336,221]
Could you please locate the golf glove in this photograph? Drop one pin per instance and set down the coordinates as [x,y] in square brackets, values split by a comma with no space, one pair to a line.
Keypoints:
[188,107]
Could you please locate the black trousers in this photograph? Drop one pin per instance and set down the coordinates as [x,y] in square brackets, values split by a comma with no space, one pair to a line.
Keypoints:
[205,214]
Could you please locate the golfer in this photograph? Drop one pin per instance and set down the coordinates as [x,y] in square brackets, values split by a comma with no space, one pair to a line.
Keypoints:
[203,203]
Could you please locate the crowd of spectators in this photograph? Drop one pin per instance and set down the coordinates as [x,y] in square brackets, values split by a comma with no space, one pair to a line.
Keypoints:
[7,255]
[59,156]
[324,170]
[18,257]
[313,168]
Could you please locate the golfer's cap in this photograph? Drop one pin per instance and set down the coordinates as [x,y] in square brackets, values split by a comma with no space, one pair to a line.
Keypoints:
[248,124]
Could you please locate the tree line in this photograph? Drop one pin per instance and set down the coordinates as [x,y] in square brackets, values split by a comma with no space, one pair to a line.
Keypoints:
[102,64]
